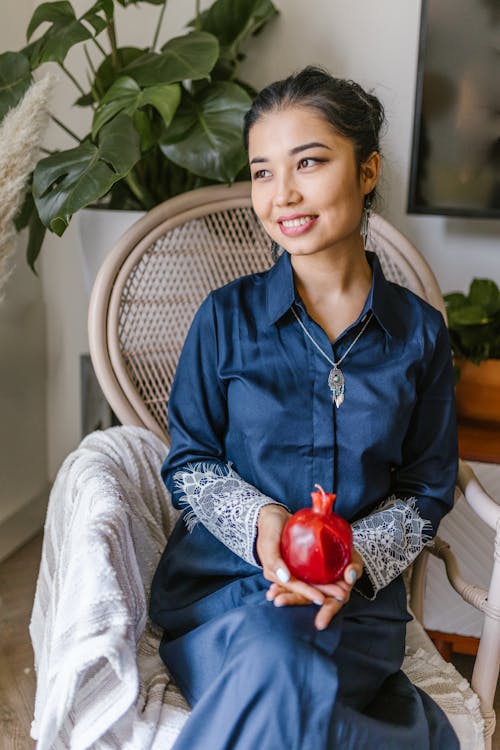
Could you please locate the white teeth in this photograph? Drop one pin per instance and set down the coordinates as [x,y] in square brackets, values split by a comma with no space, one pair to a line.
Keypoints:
[297,222]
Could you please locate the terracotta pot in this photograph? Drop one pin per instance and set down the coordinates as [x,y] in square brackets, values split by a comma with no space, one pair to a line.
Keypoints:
[478,390]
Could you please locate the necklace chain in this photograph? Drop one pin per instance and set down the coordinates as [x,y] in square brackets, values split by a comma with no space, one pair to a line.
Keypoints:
[325,355]
[336,381]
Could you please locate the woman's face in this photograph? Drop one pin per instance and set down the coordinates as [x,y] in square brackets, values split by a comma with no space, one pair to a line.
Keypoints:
[307,189]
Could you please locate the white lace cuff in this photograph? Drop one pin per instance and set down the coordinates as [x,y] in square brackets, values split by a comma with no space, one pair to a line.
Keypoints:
[389,539]
[224,503]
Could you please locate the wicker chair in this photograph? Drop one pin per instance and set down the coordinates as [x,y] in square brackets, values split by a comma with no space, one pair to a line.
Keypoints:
[142,303]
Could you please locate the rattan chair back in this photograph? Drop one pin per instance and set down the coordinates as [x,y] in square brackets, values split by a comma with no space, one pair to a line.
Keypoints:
[158,273]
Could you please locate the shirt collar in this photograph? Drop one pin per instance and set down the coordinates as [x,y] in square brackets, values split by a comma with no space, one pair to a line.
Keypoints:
[280,288]
[381,299]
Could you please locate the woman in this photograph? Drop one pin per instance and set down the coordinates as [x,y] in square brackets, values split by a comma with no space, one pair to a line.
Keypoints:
[316,371]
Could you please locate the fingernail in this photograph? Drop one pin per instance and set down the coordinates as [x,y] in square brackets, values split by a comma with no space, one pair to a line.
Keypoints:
[339,598]
[283,575]
[318,602]
[351,576]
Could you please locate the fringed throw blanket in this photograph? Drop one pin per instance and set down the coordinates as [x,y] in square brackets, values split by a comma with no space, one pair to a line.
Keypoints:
[100,680]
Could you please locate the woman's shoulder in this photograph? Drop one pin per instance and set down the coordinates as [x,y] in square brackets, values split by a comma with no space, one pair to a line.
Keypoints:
[420,325]
[414,312]
[242,284]
[245,291]
[242,299]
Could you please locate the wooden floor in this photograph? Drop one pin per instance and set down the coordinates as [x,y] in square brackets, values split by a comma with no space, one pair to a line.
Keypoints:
[17,680]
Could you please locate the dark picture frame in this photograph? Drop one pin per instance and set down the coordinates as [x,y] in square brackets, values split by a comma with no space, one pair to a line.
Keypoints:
[455,152]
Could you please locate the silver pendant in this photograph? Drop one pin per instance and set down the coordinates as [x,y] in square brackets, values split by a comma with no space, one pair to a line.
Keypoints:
[336,384]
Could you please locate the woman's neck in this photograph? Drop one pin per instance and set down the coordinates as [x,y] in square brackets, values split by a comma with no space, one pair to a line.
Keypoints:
[333,287]
[331,275]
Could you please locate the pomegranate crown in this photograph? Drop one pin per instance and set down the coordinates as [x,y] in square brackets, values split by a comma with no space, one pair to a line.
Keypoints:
[322,501]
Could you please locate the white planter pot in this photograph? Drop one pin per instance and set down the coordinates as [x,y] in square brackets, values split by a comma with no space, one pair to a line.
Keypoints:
[98,231]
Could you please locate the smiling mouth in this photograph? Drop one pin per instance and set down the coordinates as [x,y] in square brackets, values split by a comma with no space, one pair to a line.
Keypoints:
[296,225]
[299,222]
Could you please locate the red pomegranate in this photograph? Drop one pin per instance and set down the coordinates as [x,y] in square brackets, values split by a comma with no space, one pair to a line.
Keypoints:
[316,543]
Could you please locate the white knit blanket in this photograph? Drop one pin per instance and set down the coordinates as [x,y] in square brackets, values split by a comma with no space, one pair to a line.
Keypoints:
[100,680]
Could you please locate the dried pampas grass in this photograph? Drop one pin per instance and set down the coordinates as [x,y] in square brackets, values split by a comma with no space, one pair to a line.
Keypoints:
[21,133]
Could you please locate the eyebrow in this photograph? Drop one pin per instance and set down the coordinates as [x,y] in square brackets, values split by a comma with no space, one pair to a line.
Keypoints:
[295,150]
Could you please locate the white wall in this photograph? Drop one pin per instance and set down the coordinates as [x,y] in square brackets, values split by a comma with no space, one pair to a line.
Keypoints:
[373,43]
[23,426]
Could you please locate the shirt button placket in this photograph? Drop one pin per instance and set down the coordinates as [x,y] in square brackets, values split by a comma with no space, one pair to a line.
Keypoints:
[323,419]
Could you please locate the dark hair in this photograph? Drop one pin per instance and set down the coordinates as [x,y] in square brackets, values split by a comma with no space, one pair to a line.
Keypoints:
[349,109]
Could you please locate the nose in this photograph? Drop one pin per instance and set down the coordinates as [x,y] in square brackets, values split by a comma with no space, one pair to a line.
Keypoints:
[286,191]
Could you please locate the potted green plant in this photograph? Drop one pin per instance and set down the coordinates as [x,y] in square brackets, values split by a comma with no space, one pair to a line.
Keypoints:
[164,119]
[474,325]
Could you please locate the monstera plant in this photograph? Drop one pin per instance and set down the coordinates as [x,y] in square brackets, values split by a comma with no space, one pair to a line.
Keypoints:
[164,119]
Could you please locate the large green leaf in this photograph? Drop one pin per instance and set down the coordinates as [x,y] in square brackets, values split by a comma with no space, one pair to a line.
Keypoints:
[23,216]
[108,72]
[473,342]
[126,96]
[455,299]
[205,135]
[35,239]
[28,217]
[485,292]
[15,78]
[186,57]
[233,21]
[144,125]
[64,32]
[468,315]
[65,182]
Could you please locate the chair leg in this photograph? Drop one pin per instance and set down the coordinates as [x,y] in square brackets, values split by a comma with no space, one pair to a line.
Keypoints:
[489,728]
[443,645]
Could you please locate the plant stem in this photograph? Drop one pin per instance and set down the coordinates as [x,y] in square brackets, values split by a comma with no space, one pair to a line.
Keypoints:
[89,60]
[65,127]
[99,47]
[94,74]
[198,22]
[110,28]
[72,78]
[158,25]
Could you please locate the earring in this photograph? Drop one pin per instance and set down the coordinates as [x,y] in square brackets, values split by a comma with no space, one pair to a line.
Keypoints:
[365,221]
[276,251]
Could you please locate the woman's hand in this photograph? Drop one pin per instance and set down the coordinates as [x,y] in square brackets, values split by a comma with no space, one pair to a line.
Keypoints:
[335,595]
[287,590]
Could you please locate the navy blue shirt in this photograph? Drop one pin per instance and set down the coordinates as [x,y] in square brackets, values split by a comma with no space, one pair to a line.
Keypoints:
[251,389]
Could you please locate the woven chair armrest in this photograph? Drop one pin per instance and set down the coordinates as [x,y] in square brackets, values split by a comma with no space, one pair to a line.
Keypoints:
[474,595]
[488,511]
[487,663]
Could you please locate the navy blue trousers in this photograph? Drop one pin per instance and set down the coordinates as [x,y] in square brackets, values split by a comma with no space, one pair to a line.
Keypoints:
[260,677]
